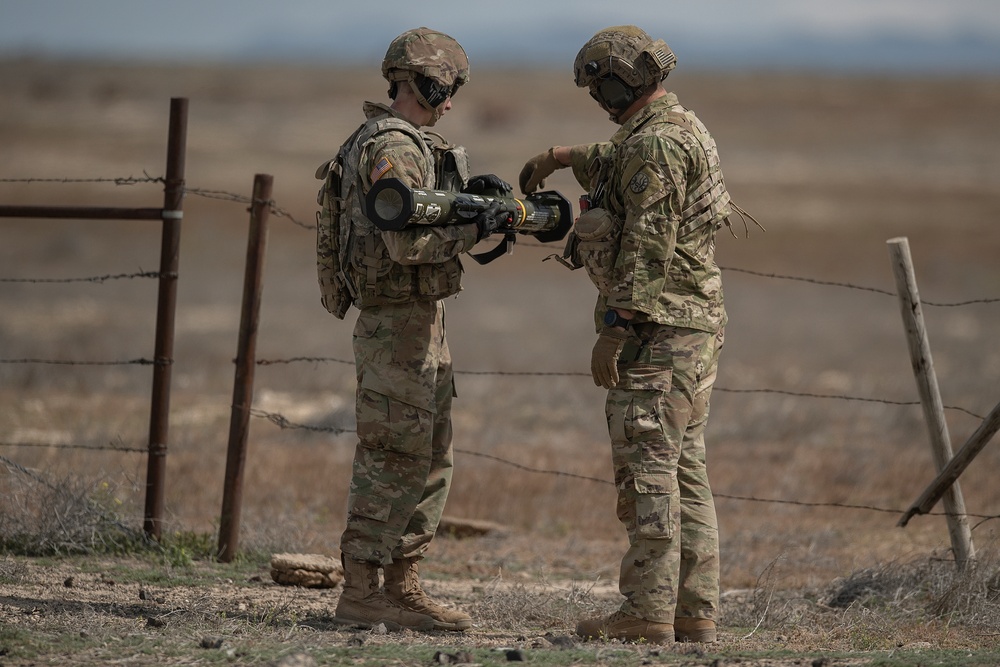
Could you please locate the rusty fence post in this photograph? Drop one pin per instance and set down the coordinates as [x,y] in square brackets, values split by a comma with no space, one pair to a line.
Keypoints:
[930,395]
[246,353]
[159,413]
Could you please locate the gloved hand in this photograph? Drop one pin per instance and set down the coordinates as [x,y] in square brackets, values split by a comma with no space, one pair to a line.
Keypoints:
[604,360]
[487,222]
[479,184]
[536,169]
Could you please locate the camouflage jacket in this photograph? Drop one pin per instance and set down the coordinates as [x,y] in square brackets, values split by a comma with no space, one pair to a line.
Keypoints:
[659,175]
[418,263]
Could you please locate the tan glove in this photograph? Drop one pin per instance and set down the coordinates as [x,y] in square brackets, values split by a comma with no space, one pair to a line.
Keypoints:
[536,169]
[604,360]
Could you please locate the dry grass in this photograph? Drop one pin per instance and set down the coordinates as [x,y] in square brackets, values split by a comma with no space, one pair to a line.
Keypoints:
[833,167]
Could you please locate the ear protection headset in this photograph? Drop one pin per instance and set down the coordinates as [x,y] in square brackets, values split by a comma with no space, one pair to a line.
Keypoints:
[619,64]
[611,92]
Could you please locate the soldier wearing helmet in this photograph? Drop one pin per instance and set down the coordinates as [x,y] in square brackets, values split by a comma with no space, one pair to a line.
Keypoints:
[398,281]
[647,241]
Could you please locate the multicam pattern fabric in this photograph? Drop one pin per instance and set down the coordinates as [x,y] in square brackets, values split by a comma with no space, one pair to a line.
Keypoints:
[429,53]
[403,462]
[394,267]
[659,174]
[656,418]
[659,177]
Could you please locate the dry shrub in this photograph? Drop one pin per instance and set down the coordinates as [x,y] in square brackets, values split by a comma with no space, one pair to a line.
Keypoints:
[519,608]
[12,571]
[932,589]
[42,517]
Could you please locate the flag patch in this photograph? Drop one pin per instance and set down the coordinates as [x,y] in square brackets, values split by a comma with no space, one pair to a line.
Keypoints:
[381,167]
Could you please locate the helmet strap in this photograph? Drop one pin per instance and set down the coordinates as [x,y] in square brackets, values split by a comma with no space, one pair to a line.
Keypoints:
[435,112]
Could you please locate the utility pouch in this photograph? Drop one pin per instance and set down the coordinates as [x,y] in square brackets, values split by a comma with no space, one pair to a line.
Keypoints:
[596,247]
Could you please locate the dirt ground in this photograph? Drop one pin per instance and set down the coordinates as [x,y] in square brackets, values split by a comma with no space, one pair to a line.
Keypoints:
[810,479]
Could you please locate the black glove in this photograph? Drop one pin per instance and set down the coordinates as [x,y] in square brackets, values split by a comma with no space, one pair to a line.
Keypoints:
[487,222]
[484,182]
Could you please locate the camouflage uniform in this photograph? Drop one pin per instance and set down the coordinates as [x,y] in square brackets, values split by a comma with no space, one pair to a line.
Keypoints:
[403,462]
[658,185]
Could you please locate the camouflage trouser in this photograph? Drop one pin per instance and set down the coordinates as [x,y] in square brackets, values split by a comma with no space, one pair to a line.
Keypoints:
[656,418]
[403,461]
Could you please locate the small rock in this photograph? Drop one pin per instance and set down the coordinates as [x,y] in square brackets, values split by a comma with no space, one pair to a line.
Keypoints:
[296,660]
[211,642]
[68,582]
[515,655]
[154,622]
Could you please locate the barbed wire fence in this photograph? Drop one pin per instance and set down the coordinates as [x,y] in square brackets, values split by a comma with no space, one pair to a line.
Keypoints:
[283,422]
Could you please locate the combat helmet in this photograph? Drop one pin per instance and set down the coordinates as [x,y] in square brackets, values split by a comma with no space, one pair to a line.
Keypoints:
[433,62]
[619,63]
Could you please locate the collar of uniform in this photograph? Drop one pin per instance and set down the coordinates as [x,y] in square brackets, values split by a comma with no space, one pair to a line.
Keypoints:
[373,109]
[643,115]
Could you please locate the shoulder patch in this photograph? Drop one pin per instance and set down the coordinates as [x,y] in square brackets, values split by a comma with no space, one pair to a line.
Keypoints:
[380,169]
[639,182]
[645,187]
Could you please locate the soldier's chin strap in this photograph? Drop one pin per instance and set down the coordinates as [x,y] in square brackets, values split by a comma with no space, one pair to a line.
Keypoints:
[436,112]
[505,247]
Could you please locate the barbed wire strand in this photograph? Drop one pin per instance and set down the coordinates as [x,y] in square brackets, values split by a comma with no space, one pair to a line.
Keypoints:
[284,213]
[840,397]
[282,422]
[66,362]
[854,287]
[121,180]
[54,445]
[92,279]
[274,209]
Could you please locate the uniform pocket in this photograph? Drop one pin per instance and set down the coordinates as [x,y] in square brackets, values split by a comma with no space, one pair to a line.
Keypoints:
[653,508]
[645,377]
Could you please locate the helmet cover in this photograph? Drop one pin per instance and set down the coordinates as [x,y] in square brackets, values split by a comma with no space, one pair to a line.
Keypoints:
[626,52]
[426,53]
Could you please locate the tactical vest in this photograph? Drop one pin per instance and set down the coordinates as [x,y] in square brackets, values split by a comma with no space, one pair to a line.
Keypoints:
[353,263]
[707,201]
[595,241]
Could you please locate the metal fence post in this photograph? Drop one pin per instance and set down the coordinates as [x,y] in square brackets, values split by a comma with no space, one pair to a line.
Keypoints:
[159,414]
[246,359]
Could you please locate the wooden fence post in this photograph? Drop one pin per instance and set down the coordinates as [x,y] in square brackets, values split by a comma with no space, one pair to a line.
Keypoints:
[930,396]
[246,360]
[987,429]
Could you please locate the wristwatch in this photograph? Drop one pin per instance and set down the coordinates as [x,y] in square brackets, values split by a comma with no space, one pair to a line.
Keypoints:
[613,319]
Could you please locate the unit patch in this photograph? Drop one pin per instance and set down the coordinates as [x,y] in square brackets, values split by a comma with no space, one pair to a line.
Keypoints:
[639,182]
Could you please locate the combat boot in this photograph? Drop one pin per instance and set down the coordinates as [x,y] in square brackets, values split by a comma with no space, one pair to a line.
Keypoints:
[620,625]
[363,603]
[402,586]
[694,630]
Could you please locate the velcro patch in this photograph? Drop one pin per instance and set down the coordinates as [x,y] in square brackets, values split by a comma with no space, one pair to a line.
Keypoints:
[380,169]
[645,187]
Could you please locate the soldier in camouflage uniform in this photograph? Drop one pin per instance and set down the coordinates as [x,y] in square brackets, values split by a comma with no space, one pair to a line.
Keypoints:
[403,461]
[657,198]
